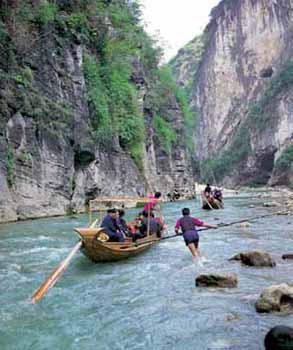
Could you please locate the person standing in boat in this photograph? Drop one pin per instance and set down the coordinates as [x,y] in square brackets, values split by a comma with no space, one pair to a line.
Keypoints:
[154,200]
[188,224]
[208,191]
[110,226]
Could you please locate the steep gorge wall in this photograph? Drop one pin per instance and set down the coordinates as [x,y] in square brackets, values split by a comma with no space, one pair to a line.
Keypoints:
[50,160]
[242,91]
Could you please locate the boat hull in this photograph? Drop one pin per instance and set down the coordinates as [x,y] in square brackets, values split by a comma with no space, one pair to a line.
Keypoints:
[98,251]
[215,204]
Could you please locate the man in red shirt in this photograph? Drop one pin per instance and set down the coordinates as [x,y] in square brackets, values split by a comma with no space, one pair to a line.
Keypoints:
[154,199]
[188,227]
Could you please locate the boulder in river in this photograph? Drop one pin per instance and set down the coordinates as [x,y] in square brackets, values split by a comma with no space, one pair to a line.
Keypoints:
[276,298]
[220,280]
[279,338]
[255,258]
[271,204]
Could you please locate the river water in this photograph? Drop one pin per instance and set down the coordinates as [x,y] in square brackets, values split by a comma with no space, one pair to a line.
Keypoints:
[147,302]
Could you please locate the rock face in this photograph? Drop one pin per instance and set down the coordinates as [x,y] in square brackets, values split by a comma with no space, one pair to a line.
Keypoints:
[255,258]
[279,338]
[50,158]
[185,64]
[243,92]
[217,280]
[276,298]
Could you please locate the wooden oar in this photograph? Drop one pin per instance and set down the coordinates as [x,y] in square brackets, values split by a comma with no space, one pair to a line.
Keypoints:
[55,275]
[229,224]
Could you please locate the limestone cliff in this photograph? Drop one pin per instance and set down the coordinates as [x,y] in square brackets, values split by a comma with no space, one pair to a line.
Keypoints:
[243,92]
[53,58]
[185,64]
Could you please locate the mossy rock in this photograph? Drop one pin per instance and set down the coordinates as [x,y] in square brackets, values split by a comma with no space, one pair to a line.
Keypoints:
[217,280]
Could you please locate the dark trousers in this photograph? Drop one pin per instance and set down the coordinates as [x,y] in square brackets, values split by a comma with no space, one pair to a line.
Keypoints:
[116,237]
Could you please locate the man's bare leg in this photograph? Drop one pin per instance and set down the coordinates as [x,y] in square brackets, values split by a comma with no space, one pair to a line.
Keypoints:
[193,250]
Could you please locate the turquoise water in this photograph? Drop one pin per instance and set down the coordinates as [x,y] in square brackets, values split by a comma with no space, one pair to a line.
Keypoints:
[147,302]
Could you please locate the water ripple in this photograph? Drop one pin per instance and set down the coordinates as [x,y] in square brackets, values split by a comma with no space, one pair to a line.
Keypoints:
[148,302]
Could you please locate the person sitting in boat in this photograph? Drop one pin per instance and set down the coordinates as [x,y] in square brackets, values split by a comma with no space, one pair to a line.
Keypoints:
[188,224]
[161,224]
[176,195]
[110,226]
[217,194]
[145,219]
[123,228]
[154,199]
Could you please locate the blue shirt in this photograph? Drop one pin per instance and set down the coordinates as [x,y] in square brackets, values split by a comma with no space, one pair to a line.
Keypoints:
[109,224]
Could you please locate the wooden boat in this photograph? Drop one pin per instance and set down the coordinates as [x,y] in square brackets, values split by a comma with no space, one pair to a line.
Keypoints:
[93,244]
[211,203]
[98,250]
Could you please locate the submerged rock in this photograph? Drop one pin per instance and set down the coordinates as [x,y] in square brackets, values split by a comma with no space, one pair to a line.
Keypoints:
[233,317]
[271,204]
[276,298]
[279,338]
[217,280]
[255,258]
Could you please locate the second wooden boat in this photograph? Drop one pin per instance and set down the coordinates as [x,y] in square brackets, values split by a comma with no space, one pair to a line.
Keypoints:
[211,203]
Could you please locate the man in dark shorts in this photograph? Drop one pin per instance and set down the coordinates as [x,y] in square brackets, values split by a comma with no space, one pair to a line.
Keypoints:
[188,227]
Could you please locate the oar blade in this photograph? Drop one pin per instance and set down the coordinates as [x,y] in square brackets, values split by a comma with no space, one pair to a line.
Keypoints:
[55,275]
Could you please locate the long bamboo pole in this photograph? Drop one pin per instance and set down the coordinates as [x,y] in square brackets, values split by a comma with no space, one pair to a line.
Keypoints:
[55,275]
[230,223]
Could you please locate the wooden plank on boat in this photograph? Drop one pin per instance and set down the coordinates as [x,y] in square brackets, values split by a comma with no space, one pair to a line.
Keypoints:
[88,232]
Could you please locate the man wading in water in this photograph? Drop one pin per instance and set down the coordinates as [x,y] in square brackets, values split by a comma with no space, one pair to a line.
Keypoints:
[188,226]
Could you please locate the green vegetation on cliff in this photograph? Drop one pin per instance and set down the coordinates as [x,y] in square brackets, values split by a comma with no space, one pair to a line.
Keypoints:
[285,161]
[261,113]
[10,167]
[168,97]
[185,64]
[219,165]
[164,132]
[118,58]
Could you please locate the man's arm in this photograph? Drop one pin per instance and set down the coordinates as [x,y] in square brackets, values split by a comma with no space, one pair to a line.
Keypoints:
[177,227]
[210,226]
[198,222]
